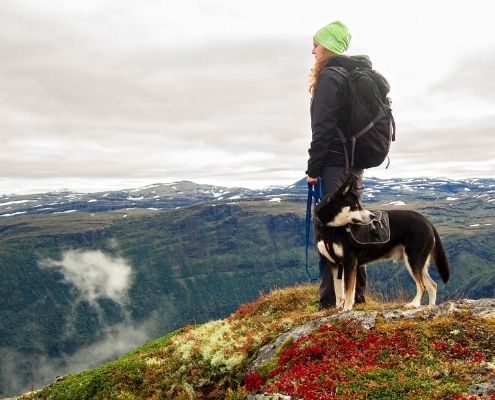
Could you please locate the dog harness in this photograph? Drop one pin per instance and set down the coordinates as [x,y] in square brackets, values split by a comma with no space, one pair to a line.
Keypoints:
[376,232]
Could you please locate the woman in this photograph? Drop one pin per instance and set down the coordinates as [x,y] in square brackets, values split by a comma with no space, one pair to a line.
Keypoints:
[329,110]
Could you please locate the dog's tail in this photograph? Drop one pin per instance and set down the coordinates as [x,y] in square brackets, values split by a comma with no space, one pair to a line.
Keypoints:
[440,258]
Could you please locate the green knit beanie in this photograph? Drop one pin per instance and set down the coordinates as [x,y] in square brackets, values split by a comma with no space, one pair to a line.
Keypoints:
[334,37]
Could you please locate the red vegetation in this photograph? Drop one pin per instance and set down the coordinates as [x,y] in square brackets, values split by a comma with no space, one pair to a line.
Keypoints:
[456,351]
[253,382]
[314,366]
[340,362]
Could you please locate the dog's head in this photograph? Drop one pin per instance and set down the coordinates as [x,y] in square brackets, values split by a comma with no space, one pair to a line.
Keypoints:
[343,207]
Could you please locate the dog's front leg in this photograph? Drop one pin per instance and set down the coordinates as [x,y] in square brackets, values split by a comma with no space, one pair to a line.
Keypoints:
[350,271]
[338,285]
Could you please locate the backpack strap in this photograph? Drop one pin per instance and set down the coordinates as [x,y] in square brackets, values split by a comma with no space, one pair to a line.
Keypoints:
[355,137]
[340,70]
[392,126]
[379,116]
[382,113]
[346,154]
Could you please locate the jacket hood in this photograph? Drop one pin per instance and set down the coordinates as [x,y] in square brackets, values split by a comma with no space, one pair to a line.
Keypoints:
[350,62]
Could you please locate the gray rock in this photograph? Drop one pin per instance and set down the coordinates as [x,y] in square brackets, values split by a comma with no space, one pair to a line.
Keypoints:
[393,315]
[483,389]
[484,308]
[366,319]
[266,353]
[275,396]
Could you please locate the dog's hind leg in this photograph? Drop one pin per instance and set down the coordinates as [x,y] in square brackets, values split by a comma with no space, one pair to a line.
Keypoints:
[417,275]
[431,286]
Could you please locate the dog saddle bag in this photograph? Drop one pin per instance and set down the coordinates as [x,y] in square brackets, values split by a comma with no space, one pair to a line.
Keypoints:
[376,232]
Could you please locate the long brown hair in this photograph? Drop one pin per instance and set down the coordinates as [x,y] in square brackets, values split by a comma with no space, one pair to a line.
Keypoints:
[317,67]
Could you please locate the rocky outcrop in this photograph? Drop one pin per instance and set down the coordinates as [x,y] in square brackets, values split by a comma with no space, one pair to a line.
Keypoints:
[483,389]
[484,308]
[267,352]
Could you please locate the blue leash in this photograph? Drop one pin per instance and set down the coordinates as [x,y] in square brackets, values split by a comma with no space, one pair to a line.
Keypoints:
[315,194]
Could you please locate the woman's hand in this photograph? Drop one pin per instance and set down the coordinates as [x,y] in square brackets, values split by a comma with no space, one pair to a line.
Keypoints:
[312,181]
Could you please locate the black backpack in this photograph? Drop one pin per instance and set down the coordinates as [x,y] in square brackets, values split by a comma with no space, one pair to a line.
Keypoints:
[370,127]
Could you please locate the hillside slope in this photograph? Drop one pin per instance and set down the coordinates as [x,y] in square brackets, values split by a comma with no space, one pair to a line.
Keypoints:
[375,352]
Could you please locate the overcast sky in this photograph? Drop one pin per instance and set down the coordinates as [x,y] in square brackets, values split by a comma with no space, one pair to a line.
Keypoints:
[107,93]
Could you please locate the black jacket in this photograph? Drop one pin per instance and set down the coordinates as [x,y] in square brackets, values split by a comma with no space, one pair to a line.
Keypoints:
[329,108]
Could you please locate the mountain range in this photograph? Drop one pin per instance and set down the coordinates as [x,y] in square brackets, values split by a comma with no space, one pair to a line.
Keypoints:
[181,194]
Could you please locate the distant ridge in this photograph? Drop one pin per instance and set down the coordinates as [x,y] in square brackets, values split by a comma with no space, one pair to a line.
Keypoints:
[162,196]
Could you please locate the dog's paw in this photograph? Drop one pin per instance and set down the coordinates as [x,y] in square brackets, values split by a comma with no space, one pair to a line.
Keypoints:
[412,305]
[340,302]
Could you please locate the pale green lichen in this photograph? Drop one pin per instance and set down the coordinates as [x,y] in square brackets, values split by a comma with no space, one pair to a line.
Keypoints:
[153,361]
[219,342]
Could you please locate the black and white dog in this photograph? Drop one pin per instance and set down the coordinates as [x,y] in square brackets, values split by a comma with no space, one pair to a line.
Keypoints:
[412,238]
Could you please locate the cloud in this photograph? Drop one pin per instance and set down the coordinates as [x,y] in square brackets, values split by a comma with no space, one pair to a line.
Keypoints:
[94,274]
[472,77]
[42,370]
[176,90]
[155,113]
[117,339]
[459,150]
